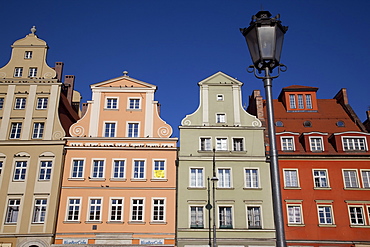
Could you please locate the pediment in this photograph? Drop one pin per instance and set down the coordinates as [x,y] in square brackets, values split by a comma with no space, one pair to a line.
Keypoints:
[123,82]
[221,79]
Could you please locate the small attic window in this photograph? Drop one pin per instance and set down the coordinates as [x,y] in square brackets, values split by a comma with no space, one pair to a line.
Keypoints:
[279,124]
[307,124]
[28,55]
[340,124]
[220,97]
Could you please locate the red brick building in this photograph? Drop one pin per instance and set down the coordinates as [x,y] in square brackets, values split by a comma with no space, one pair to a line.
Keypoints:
[324,162]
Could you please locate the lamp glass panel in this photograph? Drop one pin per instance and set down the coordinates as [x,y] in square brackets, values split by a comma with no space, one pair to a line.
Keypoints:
[266,35]
[279,43]
[252,43]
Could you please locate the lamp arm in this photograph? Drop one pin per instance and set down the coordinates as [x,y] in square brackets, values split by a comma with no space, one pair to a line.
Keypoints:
[252,69]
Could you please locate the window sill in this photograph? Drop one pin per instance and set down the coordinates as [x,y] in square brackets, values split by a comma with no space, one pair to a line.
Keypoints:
[327,225]
[115,222]
[93,222]
[138,179]
[322,188]
[158,223]
[111,109]
[71,222]
[196,188]
[359,226]
[158,180]
[252,188]
[76,179]
[10,223]
[133,109]
[292,188]
[96,179]
[37,223]
[352,188]
[137,222]
[225,188]
[118,179]
[300,225]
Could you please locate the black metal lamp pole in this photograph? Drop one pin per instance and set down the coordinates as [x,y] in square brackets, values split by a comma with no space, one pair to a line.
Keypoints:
[265,37]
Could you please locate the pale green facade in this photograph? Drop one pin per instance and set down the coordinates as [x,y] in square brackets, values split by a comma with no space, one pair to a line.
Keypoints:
[243,187]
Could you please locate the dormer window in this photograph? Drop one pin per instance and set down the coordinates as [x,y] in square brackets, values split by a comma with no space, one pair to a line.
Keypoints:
[221,118]
[28,55]
[292,101]
[354,143]
[316,144]
[300,99]
[287,143]
[308,101]
[220,97]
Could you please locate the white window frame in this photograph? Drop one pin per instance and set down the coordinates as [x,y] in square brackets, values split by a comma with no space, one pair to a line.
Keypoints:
[112,131]
[220,118]
[285,146]
[100,165]
[354,216]
[95,210]
[254,226]
[316,146]
[136,105]
[161,174]
[82,171]
[253,181]
[157,208]
[300,101]
[27,54]
[45,171]
[318,179]
[326,219]
[15,130]
[197,216]
[198,179]
[18,71]
[11,217]
[119,162]
[136,173]
[111,103]
[135,217]
[365,178]
[238,147]
[220,97]
[42,103]
[289,179]
[220,219]
[352,183]
[292,101]
[116,208]
[32,72]
[308,98]
[20,103]
[39,210]
[292,214]
[222,180]
[74,205]
[205,143]
[349,143]
[20,170]
[131,130]
[38,130]
[222,144]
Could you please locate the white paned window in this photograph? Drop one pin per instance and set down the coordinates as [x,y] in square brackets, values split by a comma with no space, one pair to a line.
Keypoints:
[38,130]
[137,210]
[251,178]
[95,210]
[111,103]
[20,103]
[42,103]
[196,177]
[220,97]
[158,210]
[292,101]
[352,144]
[320,178]
[350,178]
[356,215]
[224,178]
[45,170]
[98,169]
[12,211]
[316,144]
[28,55]
[139,169]
[15,131]
[39,211]
[325,215]
[73,211]
[20,171]
[291,178]
[366,179]
[254,217]
[220,118]
[287,144]
[308,101]
[18,71]
[134,104]
[238,144]
[221,144]
[205,144]
[77,169]
[32,72]
[197,217]
[300,101]
[225,217]
[119,169]
[110,130]
[133,130]
[116,210]
[159,169]
[294,214]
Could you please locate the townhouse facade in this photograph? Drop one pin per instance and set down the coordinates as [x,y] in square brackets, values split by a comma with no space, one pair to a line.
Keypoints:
[324,162]
[34,113]
[222,147]
[119,180]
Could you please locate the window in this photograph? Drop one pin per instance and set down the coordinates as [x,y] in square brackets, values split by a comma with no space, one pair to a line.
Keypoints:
[12,211]
[116,209]
[221,144]
[95,210]
[15,132]
[159,169]
[119,169]
[133,130]
[196,217]
[18,72]
[291,178]
[32,72]
[158,210]
[224,178]
[110,130]
[316,144]
[39,211]
[98,169]
[254,217]
[365,178]
[238,144]
[325,215]
[1,103]
[139,169]
[42,103]
[20,171]
[112,103]
[45,170]
[20,103]
[38,130]
[350,178]
[220,118]
[28,55]
[196,177]
[351,144]
[205,144]
[308,101]
[220,97]
[294,214]
[77,168]
[300,101]
[225,217]
[320,178]
[1,166]
[134,104]
[137,212]
[287,144]
[356,215]
[251,178]
[73,212]
[292,101]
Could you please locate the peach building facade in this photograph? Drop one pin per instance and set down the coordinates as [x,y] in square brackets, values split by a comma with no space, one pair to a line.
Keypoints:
[119,182]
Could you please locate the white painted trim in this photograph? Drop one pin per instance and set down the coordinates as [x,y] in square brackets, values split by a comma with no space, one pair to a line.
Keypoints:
[95,112]
[52,109]
[236,104]
[149,113]
[27,125]
[204,98]
[7,108]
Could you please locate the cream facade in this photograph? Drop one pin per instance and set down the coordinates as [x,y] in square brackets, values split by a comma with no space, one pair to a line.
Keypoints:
[119,179]
[31,145]
[221,140]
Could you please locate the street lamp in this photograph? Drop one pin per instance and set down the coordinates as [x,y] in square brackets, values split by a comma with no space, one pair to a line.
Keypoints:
[264,38]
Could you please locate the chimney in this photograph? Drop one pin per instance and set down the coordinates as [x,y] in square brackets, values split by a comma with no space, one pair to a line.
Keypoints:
[59,69]
[69,81]
[84,109]
[342,97]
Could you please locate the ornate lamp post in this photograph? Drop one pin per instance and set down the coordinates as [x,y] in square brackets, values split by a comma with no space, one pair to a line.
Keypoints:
[265,37]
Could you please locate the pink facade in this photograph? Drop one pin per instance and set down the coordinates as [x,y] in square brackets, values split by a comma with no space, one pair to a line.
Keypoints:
[119,175]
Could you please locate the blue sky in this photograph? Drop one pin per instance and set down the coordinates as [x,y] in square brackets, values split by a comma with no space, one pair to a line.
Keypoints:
[174,44]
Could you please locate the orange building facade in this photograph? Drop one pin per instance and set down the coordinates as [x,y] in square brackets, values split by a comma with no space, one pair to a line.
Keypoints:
[119,177]
[324,162]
